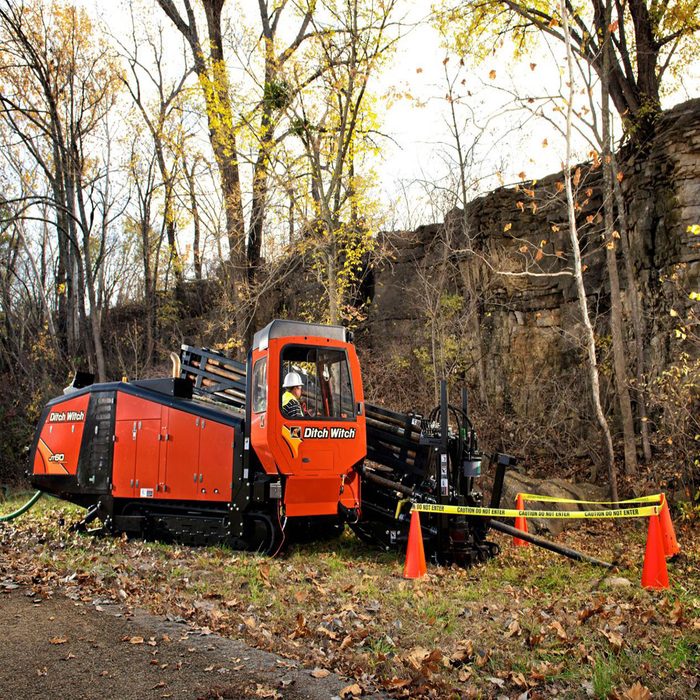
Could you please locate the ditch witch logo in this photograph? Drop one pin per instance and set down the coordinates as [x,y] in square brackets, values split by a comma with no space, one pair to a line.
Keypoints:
[66,416]
[294,435]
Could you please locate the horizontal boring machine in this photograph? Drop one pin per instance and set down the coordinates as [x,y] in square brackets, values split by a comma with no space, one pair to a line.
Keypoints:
[208,456]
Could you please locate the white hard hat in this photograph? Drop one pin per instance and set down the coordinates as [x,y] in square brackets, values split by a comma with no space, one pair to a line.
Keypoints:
[292,379]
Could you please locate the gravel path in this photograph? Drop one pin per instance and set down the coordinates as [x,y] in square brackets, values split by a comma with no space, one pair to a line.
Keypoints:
[59,648]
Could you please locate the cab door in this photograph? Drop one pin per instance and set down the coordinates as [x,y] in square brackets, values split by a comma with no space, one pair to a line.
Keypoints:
[263,388]
[318,451]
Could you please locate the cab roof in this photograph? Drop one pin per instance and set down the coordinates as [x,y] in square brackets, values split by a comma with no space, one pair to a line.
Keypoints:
[284,329]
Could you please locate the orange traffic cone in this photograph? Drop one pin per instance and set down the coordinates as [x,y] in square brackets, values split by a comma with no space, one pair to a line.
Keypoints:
[654,574]
[668,534]
[520,522]
[415,554]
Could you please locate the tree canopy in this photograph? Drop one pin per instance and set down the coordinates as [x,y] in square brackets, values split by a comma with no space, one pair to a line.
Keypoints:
[651,41]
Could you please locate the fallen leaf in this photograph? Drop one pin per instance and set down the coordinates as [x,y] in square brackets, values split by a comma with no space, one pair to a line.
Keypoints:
[561,632]
[136,640]
[326,632]
[614,638]
[351,691]
[637,692]
[301,629]
[534,640]
[58,640]
[463,653]
[518,679]
[416,656]
[482,660]
[492,74]
[514,627]
[320,673]
[250,622]
[676,615]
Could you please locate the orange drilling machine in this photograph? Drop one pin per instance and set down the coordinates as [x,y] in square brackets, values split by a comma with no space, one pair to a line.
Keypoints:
[209,455]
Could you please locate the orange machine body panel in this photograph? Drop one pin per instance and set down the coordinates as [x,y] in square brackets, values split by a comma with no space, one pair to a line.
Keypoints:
[58,447]
[315,454]
[167,453]
[216,444]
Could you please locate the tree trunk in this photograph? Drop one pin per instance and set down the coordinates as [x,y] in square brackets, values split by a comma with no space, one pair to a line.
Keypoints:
[616,317]
[220,118]
[168,211]
[196,223]
[260,170]
[333,302]
[636,313]
[578,269]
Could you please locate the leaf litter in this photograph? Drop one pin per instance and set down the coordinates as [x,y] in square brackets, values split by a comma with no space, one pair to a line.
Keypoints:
[527,624]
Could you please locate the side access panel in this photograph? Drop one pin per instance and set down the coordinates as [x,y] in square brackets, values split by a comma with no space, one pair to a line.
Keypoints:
[148,453]
[179,476]
[216,444]
[137,447]
[123,475]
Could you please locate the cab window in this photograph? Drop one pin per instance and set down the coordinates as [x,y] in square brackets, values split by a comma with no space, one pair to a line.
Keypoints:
[260,386]
[327,386]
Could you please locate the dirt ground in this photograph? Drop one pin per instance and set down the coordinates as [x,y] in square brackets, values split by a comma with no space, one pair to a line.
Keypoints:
[56,647]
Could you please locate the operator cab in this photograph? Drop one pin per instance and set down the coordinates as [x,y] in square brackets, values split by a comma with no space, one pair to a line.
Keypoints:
[314,455]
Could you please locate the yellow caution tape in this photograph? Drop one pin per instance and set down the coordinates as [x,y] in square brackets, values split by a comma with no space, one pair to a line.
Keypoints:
[555,499]
[642,512]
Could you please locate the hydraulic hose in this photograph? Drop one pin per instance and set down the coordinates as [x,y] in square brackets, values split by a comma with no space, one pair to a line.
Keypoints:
[21,510]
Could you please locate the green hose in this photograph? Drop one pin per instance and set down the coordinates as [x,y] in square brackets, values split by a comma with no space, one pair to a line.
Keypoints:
[23,509]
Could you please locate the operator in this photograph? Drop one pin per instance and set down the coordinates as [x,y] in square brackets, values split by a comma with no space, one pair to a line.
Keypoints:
[291,405]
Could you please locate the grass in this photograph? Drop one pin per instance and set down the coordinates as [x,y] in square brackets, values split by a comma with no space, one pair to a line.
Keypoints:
[530,620]
[604,675]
